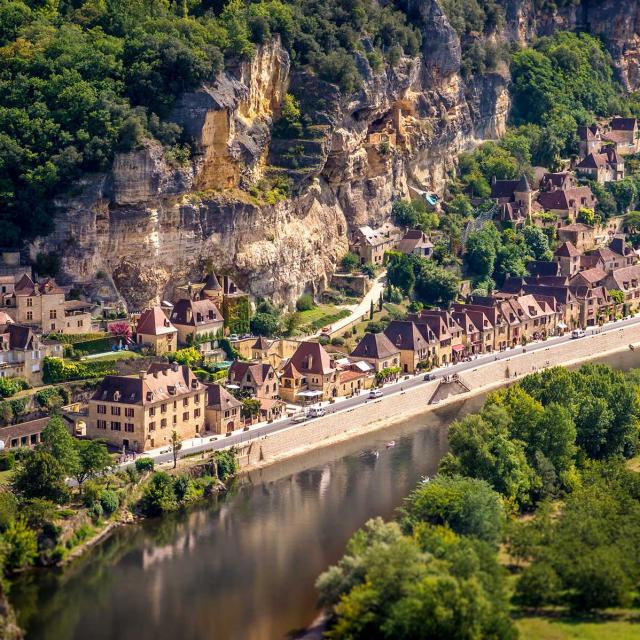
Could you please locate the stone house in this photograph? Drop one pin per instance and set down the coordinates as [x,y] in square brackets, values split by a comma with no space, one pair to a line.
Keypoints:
[196,320]
[271,409]
[603,167]
[627,280]
[273,352]
[416,242]
[580,235]
[253,378]
[623,133]
[24,434]
[412,344]
[22,352]
[140,412]
[377,350]
[155,331]
[43,305]
[516,200]
[568,258]
[480,330]
[371,244]
[222,412]
[309,374]
[566,203]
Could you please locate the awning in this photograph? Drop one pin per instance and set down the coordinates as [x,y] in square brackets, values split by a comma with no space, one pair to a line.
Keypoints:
[232,386]
[309,394]
[562,325]
[457,347]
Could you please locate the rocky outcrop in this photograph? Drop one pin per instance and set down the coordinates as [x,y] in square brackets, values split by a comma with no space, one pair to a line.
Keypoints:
[149,224]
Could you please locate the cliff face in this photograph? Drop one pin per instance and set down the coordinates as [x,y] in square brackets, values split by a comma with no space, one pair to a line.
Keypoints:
[148,225]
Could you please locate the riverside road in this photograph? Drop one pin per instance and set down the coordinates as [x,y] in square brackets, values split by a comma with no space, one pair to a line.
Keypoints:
[405,382]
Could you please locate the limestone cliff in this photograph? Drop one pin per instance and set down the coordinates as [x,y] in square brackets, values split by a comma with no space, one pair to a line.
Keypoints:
[148,225]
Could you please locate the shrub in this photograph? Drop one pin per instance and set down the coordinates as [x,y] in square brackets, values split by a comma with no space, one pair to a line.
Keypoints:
[11,386]
[96,511]
[7,460]
[22,545]
[144,464]
[159,495]
[337,341]
[59,370]
[305,303]
[109,500]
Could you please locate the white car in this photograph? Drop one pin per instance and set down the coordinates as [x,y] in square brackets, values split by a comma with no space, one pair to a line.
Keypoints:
[375,393]
[578,333]
[316,412]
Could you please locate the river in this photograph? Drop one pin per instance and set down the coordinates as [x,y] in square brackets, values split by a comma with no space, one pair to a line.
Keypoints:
[243,565]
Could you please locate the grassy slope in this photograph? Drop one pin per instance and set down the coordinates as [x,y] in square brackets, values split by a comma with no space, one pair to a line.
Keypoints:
[535,628]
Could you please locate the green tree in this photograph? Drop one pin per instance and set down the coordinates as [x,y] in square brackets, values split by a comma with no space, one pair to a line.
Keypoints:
[159,496]
[250,408]
[57,441]
[305,303]
[350,261]
[469,506]
[265,324]
[21,543]
[94,459]
[40,475]
[481,251]
[436,285]
[401,273]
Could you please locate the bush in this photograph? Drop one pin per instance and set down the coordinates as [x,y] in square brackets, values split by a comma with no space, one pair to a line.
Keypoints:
[337,341]
[7,460]
[159,495]
[305,303]
[22,545]
[10,386]
[109,500]
[144,465]
[96,511]
[59,370]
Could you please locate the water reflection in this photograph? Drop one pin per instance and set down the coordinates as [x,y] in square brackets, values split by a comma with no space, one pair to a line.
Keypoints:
[241,567]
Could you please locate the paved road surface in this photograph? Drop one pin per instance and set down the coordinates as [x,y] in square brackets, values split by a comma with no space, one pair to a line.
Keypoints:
[413,381]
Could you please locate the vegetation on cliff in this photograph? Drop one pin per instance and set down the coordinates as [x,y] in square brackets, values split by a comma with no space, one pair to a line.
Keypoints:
[553,447]
[82,79]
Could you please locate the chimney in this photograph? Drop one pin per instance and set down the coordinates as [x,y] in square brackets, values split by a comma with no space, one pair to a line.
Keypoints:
[142,375]
[174,366]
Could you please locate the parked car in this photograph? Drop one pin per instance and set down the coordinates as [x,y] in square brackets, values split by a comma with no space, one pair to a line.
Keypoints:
[578,333]
[299,417]
[316,412]
[375,393]
[428,376]
[234,337]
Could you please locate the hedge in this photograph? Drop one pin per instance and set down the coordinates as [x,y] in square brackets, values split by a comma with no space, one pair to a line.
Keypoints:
[60,370]
[74,338]
[98,345]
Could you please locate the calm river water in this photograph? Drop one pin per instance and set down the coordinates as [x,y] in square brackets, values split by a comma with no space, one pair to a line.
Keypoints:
[241,567]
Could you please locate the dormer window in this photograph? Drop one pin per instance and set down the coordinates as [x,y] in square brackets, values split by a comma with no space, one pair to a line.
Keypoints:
[149,396]
[116,396]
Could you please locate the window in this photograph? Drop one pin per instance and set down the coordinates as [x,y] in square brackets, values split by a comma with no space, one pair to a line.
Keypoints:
[53,314]
[115,411]
[29,302]
[185,416]
[152,411]
[163,423]
[152,426]
[128,412]
[102,424]
[196,399]
[128,426]
[226,414]
[196,413]
[163,408]
[115,426]
[102,408]
[29,315]
[175,419]
[80,323]
[185,402]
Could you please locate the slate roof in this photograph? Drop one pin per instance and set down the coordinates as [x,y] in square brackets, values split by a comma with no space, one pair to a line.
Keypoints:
[257,371]
[406,336]
[261,344]
[26,287]
[566,250]
[543,268]
[311,357]
[218,398]
[162,382]
[623,124]
[560,198]
[374,345]
[503,188]
[203,313]
[17,336]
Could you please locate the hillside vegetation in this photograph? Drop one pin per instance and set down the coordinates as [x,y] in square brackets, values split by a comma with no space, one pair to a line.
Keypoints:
[83,79]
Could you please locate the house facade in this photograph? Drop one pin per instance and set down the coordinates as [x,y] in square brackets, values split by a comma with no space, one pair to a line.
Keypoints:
[155,331]
[140,412]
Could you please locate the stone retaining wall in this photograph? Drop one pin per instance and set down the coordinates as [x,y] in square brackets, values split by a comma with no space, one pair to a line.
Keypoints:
[397,406]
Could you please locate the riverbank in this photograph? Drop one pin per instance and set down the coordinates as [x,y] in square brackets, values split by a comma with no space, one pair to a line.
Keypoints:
[406,403]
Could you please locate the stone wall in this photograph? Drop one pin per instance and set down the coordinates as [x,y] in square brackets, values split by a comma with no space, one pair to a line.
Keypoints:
[400,405]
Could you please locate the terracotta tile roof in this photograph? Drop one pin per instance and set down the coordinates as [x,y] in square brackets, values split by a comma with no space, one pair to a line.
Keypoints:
[154,322]
[592,276]
[624,276]
[374,345]
[561,198]
[220,399]
[26,287]
[347,376]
